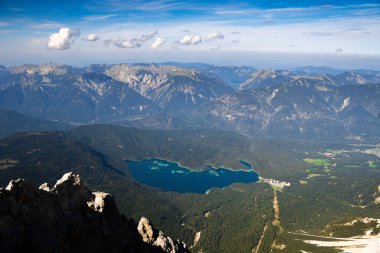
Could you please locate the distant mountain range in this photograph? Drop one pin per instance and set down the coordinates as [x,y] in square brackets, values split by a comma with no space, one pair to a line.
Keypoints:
[269,78]
[60,92]
[308,102]
[298,111]
[332,71]
[173,88]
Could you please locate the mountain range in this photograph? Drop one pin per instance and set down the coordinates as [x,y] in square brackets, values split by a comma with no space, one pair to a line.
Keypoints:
[276,103]
[294,111]
[173,88]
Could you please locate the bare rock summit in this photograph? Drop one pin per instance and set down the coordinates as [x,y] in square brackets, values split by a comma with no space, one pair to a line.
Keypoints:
[68,217]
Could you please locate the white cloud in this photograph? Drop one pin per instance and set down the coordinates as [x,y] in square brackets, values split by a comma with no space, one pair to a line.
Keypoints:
[215,36]
[157,43]
[132,43]
[62,39]
[127,43]
[190,39]
[91,37]
[235,41]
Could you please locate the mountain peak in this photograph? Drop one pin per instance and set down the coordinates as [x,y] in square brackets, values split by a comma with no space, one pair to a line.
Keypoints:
[43,69]
[45,219]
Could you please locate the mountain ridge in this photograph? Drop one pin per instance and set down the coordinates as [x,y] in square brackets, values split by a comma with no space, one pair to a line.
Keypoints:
[297,111]
[277,103]
[46,219]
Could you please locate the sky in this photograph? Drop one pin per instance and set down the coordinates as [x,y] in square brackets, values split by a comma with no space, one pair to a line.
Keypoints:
[264,33]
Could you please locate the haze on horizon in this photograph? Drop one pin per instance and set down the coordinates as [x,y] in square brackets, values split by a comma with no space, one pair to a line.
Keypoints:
[262,34]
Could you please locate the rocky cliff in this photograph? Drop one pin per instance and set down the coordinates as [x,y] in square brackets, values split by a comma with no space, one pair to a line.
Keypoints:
[68,217]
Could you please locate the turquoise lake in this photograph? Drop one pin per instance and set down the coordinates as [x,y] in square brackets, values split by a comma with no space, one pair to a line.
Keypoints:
[169,176]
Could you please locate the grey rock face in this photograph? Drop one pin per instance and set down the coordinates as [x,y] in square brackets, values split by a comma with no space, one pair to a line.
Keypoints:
[68,218]
[270,78]
[171,87]
[314,103]
[297,111]
[71,95]
[158,238]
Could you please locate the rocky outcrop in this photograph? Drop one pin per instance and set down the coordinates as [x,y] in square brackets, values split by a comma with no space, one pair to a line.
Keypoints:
[68,217]
[158,238]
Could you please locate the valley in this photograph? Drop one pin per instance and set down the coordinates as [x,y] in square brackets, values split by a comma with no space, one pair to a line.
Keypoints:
[243,209]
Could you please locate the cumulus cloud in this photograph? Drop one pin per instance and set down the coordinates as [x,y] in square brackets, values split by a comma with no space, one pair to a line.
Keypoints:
[190,39]
[91,37]
[157,43]
[62,39]
[215,36]
[132,43]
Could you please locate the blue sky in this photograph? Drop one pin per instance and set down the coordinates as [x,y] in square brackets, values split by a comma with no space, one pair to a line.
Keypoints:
[264,33]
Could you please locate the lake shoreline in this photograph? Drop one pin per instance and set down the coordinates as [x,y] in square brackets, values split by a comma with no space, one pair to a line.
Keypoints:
[171,176]
[195,170]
